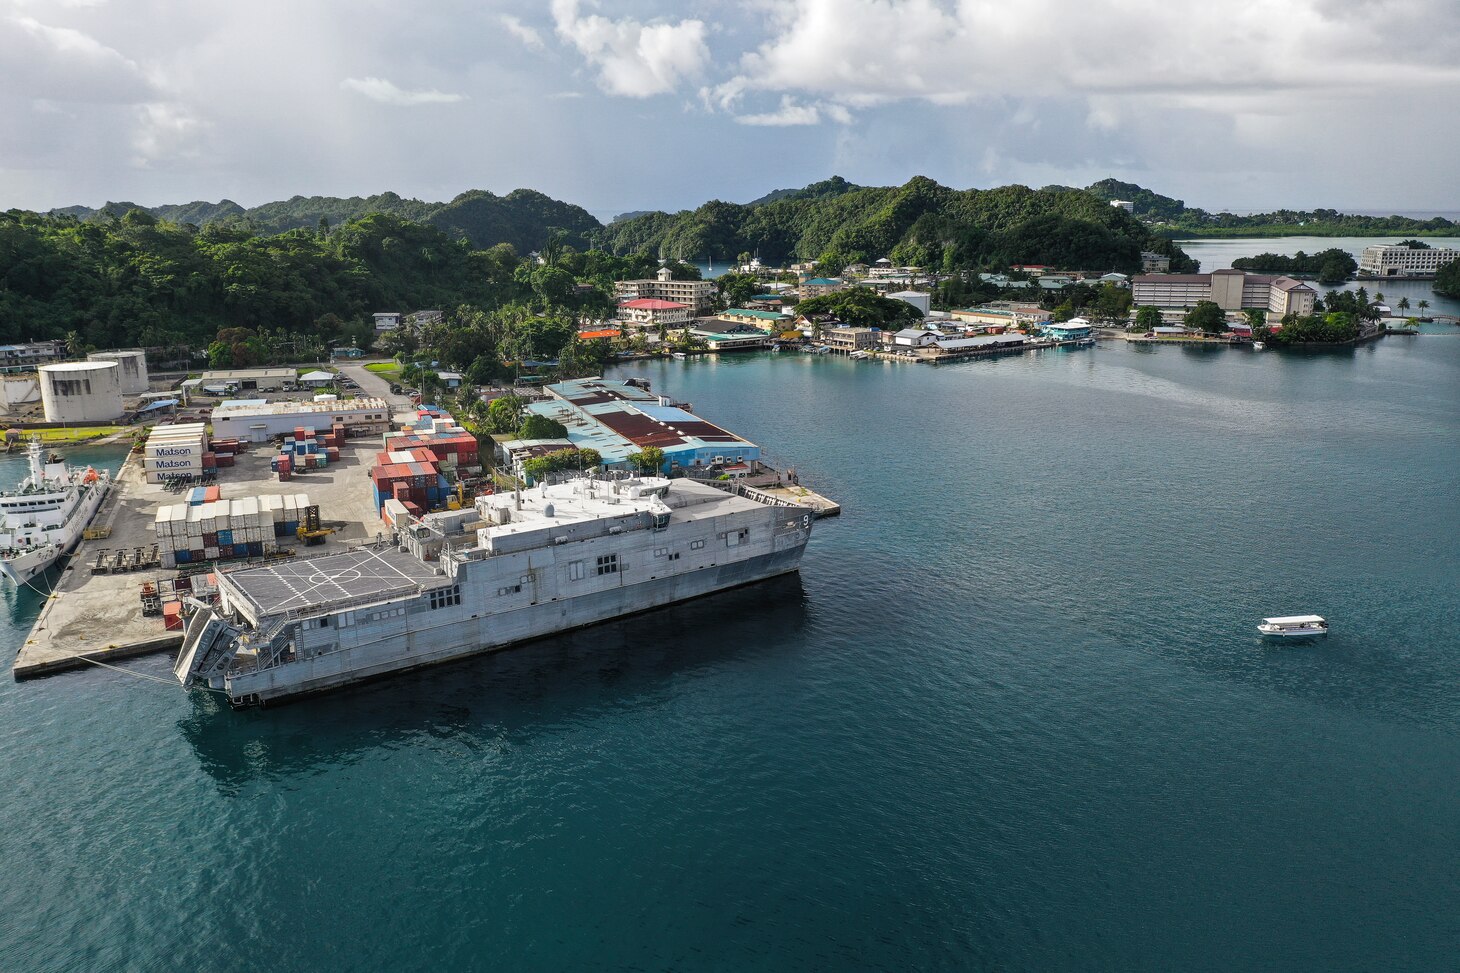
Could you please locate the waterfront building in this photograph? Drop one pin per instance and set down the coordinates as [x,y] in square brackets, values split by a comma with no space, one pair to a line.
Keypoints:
[848,339]
[594,334]
[651,312]
[1403,261]
[698,295]
[1075,329]
[618,419]
[909,338]
[959,347]
[771,322]
[1231,290]
[735,337]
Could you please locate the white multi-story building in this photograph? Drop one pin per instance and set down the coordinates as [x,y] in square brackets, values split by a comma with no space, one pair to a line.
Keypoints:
[698,294]
[1403,261]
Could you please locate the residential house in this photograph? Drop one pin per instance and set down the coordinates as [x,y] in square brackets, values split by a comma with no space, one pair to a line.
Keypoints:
[652,313]
[819,286]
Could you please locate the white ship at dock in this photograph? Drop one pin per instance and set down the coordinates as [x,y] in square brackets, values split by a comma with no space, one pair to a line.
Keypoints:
[41,520]
[513,567]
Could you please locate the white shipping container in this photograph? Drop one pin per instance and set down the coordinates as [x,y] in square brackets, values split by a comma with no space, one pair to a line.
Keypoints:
[210,553]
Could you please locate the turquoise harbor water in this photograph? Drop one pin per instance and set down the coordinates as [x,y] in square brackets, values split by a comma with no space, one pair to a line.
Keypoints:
[1012,715]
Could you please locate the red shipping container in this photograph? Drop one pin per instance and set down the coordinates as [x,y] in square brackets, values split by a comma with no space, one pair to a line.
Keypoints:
[172,619]
[333,452]
[212,493]
[210,540]
[210,461]
[225,459]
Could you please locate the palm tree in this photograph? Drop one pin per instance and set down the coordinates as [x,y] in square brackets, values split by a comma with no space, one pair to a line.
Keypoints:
[1423,307]
[1379,296]
[1403,304]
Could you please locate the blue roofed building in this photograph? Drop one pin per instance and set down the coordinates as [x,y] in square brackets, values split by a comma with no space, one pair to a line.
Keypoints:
[618,420]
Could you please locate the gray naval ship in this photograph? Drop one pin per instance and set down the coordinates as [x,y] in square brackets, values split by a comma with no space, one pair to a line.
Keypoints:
[515,566]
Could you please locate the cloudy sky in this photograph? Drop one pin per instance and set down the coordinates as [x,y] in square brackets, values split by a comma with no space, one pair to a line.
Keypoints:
[657,104]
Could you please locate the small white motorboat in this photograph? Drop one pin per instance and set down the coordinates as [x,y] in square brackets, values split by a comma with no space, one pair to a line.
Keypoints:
[1294,627]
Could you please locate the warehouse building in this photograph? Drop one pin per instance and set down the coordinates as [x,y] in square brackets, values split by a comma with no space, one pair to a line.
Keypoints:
[257,422]
[618,419]
[251,379]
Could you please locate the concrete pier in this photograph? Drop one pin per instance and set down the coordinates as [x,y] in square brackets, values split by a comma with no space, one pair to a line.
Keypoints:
[99,616]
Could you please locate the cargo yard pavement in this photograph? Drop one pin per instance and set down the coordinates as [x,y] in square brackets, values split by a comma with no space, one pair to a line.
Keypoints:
[99,616]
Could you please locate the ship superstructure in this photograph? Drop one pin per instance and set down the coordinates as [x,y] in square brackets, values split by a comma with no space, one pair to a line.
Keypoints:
[42,519]
[515,566]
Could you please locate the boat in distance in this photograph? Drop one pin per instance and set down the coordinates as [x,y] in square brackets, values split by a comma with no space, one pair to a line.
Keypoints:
[1293,626]
[41,520]
[511,567]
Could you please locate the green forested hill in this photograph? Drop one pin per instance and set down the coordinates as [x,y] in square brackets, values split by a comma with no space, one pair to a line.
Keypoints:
[520,218]
[920,223]
[1174,217]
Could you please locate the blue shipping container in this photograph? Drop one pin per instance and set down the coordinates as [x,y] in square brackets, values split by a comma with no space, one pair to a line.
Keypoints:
[225,537]
[182,557]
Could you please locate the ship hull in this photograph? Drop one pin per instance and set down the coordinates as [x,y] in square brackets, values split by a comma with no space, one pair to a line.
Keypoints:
[22,569]
[491,632]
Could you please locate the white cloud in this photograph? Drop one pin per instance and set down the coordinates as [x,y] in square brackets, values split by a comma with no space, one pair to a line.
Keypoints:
[527,35]
[167,132]
[634,59]
[793,113]
[64,64]
[862,53]
[386,92]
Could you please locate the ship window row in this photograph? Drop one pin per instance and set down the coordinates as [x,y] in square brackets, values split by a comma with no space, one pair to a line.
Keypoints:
[511,589]
[385,613]
[446,597]
[608,564]
[696,545]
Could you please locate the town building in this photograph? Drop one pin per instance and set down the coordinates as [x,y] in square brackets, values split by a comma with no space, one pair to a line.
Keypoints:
[1124,204]
[258,422]
[918,299]
[1402,261]
[910,338]
[847,339]
[316,379]
[1231,290]
[652,312]
[819,286]
[386,321]
[771,322]
[1075,329]
[250,379]
[596,334]
[1154,263]
[1003,313]
[618,419]
[25,357]
[699,295]
[735,337]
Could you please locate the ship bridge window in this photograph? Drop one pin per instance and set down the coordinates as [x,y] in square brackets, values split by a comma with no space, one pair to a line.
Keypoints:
[514,589]
[446,597]
[608,564]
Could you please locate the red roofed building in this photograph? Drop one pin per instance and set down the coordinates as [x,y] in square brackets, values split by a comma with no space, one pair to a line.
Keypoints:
[651,312]
[600,333]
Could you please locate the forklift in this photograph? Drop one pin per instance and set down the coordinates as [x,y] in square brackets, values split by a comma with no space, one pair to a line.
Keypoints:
[309,531]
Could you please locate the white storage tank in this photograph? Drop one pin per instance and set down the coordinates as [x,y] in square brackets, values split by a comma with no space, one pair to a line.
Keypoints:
[81,391]
[132,368]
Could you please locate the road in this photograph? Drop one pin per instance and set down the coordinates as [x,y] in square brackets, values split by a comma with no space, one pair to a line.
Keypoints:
[372,384]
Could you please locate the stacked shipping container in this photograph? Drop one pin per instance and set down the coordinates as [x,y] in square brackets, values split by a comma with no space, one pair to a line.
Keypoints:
[217,529]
